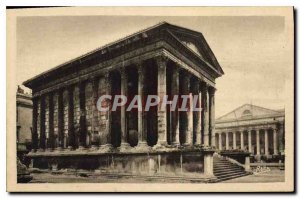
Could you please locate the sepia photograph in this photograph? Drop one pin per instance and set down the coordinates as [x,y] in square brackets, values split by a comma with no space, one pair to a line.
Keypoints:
[136,99]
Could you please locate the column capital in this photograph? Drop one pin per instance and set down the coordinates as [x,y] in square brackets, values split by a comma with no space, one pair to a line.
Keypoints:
[186,74]
[50,94]
[141,70]
[211,90]
[161,60]
[204,86]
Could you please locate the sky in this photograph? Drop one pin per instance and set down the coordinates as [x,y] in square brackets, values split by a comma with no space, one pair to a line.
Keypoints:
[252,50]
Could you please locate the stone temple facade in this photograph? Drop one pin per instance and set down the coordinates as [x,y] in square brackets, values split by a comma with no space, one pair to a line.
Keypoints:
[257,130]
[70,133]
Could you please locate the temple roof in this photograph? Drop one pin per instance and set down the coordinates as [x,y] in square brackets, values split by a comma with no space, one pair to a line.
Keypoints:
[194,41]
[249,111]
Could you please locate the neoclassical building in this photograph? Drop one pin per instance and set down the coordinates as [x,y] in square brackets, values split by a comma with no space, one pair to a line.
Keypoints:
[257,130]
[165,59]
[24,121]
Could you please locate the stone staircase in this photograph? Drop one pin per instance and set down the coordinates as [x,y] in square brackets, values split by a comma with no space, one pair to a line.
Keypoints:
[225,170]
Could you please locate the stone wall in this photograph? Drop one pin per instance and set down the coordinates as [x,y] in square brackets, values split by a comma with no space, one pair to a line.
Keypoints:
[168,164]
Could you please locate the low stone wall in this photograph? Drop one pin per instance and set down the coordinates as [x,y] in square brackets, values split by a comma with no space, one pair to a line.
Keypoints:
[189,163]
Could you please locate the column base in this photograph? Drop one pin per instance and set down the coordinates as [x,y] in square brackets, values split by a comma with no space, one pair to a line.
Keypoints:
[142,146]
[106,147]
[124,146]
[82,148]
[160,144]
[41,150]
[175,144]
[58,149]
[33,151]
[49,149]
[198,145]
[94,147]
[187,144]
[70,148]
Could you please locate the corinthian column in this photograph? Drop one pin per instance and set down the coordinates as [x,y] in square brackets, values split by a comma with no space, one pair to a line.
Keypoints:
[205,115]
[197,114]
[242,140]
[234,139]
[82,121]
[257,143]
[124,132]
[60,120]
[227,141]
[249,142]
[108,131]
[266,142]
[42,125]
[51,121]
[162,91]
[175,115]
[275,140]
[220,141]
[196,130]
[71,130]
[142,131]
[212,115]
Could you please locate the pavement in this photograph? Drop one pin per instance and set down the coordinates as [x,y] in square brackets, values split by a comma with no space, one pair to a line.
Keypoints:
[271,176]
[264,177]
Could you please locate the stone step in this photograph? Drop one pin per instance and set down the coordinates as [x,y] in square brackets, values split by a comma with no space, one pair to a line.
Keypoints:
[232,177]
[224,174]
[224,170]
[228,170]
[225,166]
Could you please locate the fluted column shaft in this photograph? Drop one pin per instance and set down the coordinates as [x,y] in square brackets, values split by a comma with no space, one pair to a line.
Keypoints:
[197,114]
[205,115]
[95,139]
[227,141]
[174,114]
[242,140]
[162,91]
[108,131]
[220,141]
[212,115]
[249,142]
[257,143]
[51,121]
[42,145]
[142,136]
[60,119]
[234,139]
[71,129]
[82,121]
[124,132]
[275,140]
[266,143]
[281,138]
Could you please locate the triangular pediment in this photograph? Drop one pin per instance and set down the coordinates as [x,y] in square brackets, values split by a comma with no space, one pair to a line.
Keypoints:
[196,42]
[248,111]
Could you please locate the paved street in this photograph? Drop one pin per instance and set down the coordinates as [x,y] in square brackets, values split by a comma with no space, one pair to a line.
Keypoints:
[272,176]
